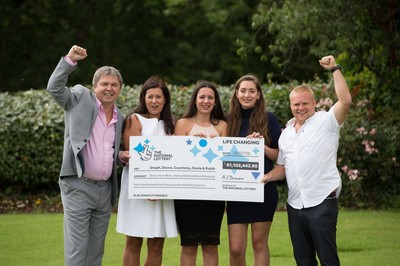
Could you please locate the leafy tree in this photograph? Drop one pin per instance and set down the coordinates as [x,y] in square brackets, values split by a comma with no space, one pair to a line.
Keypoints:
[364,36]
[206,32]
[182,40]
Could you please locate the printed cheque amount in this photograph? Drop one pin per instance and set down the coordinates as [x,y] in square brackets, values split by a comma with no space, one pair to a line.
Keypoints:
[240,165]
[193,168]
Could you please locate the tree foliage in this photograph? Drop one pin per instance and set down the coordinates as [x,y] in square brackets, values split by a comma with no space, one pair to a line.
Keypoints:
[181,40]
[279,40]
[31,139]
[363,35]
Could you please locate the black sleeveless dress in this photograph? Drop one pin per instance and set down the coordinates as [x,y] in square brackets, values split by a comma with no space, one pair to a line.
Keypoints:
[250,212]
[199,221]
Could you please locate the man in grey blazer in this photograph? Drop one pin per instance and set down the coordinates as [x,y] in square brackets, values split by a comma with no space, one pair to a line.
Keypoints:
[88,177]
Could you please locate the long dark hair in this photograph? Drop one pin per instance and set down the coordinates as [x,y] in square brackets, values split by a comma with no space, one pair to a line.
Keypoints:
[217,113]
[258,118]
[165,115]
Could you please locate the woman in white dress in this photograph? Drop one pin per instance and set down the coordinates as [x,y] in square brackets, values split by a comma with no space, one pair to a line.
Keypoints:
[142,218]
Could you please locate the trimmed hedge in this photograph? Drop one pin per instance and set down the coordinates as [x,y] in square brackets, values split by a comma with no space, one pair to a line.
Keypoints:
[32,129]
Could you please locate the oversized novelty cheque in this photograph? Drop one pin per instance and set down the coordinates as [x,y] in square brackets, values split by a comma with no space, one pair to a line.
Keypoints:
[188,167]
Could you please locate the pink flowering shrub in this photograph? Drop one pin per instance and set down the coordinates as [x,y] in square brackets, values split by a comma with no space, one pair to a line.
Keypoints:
[371,146]
[368,155]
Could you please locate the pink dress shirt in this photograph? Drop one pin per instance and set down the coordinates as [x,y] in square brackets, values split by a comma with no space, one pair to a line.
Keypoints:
[98,153]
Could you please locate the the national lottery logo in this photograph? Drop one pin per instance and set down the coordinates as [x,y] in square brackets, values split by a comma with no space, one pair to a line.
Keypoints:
[144,152]
[147,152]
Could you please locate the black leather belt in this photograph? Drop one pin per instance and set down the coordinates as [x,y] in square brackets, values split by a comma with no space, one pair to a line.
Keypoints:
[332,195]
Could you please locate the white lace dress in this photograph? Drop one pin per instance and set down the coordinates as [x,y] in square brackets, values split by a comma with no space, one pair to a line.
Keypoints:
[142,217]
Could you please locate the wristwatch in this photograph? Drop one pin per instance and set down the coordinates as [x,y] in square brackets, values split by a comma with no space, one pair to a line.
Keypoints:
[333,69]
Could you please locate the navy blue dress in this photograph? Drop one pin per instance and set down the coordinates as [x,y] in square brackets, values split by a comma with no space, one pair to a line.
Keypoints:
[250,212]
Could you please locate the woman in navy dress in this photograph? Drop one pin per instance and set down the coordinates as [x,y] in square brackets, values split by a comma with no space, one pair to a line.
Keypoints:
[248,118]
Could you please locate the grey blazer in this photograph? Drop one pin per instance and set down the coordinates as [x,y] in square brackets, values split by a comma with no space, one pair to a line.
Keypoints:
[80,111]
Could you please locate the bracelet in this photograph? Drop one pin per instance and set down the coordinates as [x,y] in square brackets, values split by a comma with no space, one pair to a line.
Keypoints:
[333,69]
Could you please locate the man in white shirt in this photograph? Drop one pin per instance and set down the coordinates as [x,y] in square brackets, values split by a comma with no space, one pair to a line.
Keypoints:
[307,157]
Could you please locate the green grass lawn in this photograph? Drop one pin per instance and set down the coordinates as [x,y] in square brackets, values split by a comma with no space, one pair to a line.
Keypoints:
[364,238]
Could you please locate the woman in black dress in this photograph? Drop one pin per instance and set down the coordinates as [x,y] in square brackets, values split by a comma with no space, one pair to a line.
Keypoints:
[199,221]
[248,118]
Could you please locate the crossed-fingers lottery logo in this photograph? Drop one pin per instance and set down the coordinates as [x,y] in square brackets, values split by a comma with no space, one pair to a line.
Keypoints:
[147,152]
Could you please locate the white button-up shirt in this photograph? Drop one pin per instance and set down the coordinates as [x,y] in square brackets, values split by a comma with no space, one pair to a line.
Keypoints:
[309,156]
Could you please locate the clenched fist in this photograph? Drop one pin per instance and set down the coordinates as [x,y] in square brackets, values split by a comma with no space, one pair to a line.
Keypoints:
[327,62]
[77,53]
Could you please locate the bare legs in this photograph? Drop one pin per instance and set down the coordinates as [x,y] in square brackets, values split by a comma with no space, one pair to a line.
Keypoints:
[238,243]
[133,247]
[189,255]
[154,251]
[260,234]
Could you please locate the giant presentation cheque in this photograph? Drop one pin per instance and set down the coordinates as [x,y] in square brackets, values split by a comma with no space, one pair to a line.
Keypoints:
[187,167]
